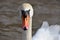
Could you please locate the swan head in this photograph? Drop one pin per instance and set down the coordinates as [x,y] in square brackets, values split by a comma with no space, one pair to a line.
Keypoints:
[27,13]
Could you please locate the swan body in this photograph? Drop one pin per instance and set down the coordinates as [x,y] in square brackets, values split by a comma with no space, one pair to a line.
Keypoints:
[47,32]
[54,31]
[43,33]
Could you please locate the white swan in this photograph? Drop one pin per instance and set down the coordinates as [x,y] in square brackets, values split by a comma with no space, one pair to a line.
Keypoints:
[27,13]
[46,32]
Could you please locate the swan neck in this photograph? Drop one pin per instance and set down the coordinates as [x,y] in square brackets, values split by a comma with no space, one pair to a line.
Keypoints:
[27,35]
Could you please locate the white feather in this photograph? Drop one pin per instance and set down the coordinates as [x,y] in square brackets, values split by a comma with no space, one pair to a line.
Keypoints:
[47,32]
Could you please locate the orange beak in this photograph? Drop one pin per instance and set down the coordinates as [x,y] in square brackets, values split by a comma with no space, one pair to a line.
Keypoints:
[25,22]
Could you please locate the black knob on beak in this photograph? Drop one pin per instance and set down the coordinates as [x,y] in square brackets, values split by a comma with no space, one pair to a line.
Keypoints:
[25,13]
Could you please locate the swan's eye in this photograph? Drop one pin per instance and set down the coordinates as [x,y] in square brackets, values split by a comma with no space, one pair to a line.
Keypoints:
[25,13]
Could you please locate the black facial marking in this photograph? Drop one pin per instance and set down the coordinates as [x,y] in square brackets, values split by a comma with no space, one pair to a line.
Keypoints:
[25,13]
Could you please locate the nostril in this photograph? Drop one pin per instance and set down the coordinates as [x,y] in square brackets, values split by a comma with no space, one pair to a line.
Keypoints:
[25,28]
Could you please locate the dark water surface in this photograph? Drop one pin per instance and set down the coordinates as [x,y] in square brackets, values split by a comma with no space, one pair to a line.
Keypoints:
[10,18]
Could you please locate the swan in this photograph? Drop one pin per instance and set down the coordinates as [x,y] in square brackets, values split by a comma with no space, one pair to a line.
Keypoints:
[26,14]
[46,32]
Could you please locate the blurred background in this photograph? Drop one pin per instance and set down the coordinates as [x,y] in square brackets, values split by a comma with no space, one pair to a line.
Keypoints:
[10,18]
